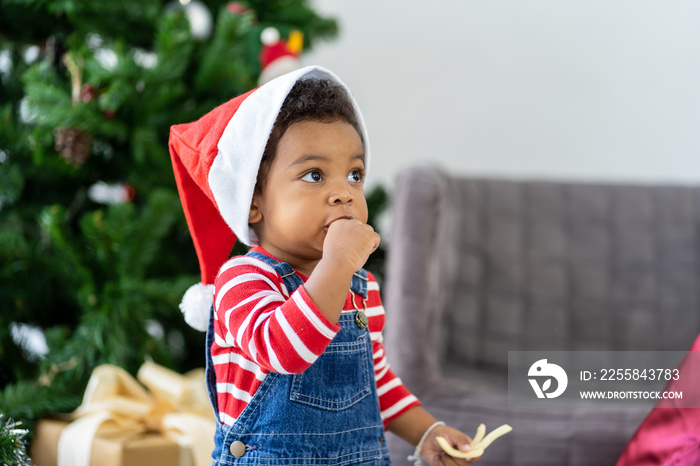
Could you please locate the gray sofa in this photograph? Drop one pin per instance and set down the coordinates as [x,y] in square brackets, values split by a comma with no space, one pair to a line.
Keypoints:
[478,267]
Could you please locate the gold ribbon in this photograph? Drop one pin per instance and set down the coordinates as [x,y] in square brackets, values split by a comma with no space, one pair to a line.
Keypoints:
[116,405]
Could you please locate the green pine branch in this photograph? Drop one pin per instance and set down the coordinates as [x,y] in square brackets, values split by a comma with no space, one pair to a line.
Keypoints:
[30,401]
[225,62]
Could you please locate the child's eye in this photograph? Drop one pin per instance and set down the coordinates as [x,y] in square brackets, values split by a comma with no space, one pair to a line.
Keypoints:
[355,176]
[313,177]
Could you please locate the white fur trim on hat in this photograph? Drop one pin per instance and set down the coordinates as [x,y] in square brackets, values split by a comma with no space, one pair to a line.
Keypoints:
[234,171]
[196,305]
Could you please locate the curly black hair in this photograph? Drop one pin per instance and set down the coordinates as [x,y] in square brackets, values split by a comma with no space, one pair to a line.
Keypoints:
[309,100]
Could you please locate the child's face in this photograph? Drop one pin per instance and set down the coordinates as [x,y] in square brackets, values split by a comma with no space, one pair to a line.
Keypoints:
[315,178]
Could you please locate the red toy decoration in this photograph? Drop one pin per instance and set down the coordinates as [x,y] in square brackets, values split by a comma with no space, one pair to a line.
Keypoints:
[279,56]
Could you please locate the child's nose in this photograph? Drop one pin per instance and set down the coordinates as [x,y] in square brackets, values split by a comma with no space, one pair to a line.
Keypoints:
[340,195]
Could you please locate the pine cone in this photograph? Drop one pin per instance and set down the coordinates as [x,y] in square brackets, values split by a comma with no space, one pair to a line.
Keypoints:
[73,144]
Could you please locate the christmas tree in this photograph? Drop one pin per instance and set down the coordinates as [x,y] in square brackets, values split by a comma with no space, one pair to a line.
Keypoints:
[94,250]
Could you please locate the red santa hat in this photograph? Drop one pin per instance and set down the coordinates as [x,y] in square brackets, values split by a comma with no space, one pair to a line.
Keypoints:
[216,161]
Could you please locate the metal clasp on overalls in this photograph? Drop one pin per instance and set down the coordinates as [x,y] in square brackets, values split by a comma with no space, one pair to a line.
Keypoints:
[361,315]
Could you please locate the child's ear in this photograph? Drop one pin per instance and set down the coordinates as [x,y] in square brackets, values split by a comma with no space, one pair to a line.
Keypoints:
[255,214]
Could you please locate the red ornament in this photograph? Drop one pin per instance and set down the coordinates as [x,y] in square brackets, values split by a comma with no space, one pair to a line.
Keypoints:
[237,8]
[87,93]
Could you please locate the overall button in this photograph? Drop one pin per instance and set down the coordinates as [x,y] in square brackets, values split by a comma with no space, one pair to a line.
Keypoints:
[237,448]
[361,319]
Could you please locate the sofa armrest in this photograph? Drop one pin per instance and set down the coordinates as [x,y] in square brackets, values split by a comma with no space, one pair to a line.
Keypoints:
[414,286]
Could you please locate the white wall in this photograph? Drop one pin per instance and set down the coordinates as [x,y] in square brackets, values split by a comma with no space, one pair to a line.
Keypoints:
[586,89]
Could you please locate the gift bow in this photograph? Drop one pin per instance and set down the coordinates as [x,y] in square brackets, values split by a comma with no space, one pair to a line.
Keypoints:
[116,405]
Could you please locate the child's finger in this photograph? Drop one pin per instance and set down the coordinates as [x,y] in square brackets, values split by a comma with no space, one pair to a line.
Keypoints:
[455,453]
[377,241]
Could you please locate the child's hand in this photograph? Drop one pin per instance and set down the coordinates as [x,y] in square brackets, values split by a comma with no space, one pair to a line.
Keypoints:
[346,248]
[349,241]
[433,453]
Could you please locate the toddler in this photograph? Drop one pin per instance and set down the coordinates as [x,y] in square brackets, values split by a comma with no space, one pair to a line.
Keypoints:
[296,369]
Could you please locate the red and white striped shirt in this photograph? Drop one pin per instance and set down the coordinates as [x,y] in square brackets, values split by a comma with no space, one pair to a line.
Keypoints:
[259,328]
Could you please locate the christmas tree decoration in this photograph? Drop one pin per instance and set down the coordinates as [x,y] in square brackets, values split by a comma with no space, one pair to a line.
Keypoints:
[279,56]
[31,339]
[197,14]
[238,8]
[54,49]
[31,53]
[107,58]
[116,193]
[74,64]
[12,444]
[87,93]
[145,58]
[73,145]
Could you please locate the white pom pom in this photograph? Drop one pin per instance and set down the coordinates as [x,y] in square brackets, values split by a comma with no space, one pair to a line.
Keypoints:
[196,305]
[270,36]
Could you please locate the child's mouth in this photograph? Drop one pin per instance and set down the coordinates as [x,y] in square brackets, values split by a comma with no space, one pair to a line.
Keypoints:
[346,217]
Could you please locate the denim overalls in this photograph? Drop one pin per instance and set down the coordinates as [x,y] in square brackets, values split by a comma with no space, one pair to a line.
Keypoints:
[327,415]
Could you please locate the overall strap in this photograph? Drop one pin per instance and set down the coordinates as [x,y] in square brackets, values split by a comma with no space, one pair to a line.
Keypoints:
[359,283]
[292,280]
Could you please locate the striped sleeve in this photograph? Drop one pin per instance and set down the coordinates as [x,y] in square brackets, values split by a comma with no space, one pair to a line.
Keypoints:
[394,397]
[255,313]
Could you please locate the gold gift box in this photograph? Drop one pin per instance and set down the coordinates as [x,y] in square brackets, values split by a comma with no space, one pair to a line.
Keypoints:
[164,418]
[147,449]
